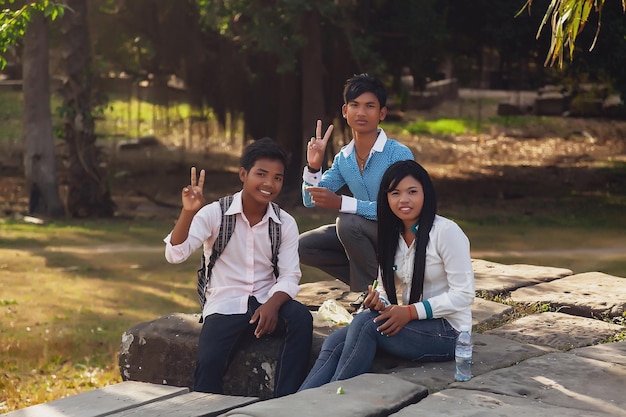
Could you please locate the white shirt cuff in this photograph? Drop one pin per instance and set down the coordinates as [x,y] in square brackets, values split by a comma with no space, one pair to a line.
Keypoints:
[348,204]
[311,178]
[421,311]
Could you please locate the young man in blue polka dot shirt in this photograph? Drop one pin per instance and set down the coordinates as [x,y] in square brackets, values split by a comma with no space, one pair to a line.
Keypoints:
[347,249]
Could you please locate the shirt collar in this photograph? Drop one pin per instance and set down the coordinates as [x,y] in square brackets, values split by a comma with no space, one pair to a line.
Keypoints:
[236,207]
[379,145]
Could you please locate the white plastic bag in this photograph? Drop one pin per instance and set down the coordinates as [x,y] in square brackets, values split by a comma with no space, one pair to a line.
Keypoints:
[333,313]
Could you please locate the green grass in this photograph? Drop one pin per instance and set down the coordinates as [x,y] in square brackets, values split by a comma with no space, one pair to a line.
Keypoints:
[440,127]
[68,291]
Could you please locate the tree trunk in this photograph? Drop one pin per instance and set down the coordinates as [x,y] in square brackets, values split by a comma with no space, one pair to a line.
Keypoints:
[312,96]
[39,152]
[288,135]
[88,193]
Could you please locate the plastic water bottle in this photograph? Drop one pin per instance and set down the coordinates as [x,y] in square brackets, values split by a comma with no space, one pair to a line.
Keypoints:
[463,356]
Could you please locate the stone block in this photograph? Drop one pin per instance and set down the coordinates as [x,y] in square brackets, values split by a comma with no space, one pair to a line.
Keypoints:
[557,330]
[551,105]
[591,294]
[163,351]
[363,395]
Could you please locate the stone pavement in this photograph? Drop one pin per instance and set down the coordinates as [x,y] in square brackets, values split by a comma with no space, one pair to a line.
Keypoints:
[561,363]
[548,345]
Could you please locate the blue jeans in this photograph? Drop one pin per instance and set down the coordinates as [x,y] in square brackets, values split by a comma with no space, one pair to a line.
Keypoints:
[350,351]
[222,335]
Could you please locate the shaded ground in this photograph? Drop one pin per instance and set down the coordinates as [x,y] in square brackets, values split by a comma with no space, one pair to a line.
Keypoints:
[514,170]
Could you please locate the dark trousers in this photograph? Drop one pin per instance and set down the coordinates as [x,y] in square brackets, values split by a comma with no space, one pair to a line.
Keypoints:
[222,335]
[345,250]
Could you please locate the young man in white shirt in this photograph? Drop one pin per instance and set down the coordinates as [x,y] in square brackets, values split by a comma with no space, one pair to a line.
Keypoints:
[243,295]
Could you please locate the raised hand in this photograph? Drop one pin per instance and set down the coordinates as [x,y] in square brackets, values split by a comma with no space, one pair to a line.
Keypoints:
[317,146]
[192,197]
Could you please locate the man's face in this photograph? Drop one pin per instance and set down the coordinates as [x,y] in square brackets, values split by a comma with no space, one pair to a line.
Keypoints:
[364,113]
[263,182]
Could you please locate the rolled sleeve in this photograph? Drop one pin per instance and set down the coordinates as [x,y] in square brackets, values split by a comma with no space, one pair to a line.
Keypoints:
[174,254]
[199,230]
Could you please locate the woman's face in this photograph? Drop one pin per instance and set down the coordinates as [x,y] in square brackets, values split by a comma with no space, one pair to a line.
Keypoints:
[406,200]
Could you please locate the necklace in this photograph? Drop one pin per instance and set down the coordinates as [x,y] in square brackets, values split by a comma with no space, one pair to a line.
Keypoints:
[360,161]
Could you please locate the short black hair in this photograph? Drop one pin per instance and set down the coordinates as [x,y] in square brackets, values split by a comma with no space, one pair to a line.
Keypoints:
[364,83]
[262,148]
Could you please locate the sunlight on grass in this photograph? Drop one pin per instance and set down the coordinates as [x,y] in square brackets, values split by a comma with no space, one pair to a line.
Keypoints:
[64,311]
[442,127]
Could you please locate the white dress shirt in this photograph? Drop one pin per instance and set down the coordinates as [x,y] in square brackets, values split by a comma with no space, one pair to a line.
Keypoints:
[244,268]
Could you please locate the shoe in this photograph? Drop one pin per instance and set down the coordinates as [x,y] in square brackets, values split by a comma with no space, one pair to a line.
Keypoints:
[358,303]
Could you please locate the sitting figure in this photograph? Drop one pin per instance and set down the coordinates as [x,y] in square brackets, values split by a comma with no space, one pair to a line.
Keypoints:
[347,249]
[248,292]
[427,286]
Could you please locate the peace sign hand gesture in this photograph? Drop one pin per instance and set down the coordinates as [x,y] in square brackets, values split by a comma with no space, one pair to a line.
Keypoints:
[317,146]
[192,197]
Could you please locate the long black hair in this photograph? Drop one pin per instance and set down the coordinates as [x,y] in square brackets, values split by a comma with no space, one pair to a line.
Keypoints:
[390,227]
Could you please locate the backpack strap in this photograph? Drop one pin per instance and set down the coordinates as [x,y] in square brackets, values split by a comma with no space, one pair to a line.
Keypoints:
[227,227]
[274,230]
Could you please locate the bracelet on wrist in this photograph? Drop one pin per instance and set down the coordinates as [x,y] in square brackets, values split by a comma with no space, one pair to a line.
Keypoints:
[312,170]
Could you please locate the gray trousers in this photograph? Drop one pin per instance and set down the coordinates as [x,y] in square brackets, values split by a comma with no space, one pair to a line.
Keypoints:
[345,250]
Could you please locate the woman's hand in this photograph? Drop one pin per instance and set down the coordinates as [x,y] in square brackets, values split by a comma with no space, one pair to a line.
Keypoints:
[373,300]
[393,319]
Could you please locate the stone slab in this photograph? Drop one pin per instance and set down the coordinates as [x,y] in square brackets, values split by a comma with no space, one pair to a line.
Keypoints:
[592,294]
[494,279]
[490,353]
[366,395]
[557,330]
[465,403]
[559,379]
[103,401]
[163,351]
[607,352]
[313,294]
[193,404]
[486,312]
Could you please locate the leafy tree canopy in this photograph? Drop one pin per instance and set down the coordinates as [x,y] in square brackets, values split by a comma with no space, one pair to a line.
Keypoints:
[567,19]
[14,20]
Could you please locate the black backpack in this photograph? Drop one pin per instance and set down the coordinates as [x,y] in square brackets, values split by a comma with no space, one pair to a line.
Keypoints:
[227,227]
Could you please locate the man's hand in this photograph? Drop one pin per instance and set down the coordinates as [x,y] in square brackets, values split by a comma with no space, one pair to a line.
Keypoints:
[323,197]
[192,197]
[266,316]
[317,146]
